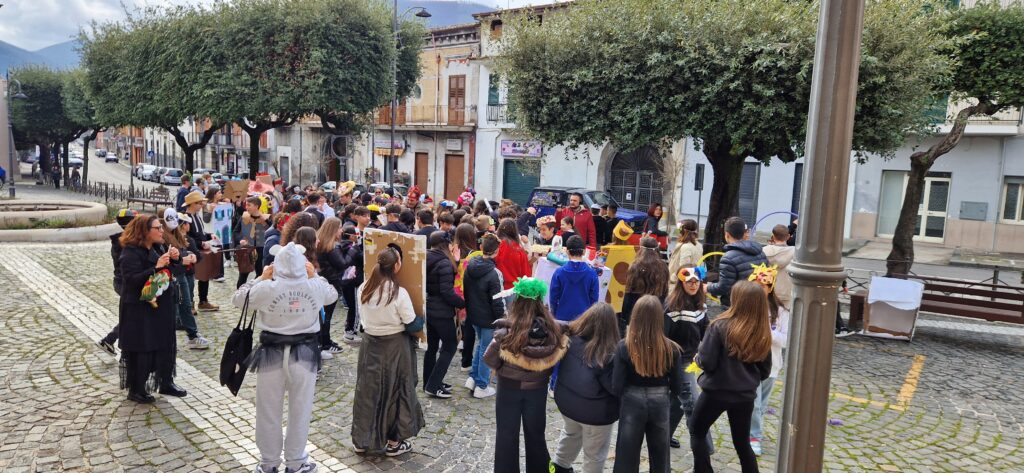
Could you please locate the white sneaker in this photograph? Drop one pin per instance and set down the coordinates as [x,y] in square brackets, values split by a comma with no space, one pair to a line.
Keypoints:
[460,345]
[465,369]
[352,337]
[484,393]
[470,384]
[422,345]
[220,279]
[325,355]
[199,343]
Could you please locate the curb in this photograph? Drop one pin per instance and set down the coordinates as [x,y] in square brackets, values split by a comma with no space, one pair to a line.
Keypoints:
[60,235]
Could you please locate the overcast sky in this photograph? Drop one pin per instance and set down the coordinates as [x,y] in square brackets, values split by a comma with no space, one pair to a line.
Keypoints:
[36,24]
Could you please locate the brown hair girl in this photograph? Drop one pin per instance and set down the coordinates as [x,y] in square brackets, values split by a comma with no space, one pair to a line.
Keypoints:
[520,316]
[299,220]
[650,351]
[648,274]
[465,238]
[688,231]
[136,230]
[383,279]
[600,328]
[749,335]
[306,236]
[327,236]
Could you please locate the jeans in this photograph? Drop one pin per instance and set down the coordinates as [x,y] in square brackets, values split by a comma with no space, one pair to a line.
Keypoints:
[643,412]
[440,331]
[707,410]
[185,308]
[594,440]
[512,408]
[325,325]
[760,404]
[468,340]
[683,406]
[348,295]
[480,372]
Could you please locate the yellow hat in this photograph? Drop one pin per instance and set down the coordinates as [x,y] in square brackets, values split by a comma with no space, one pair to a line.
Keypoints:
[346,187]
[764,275]
[622,231]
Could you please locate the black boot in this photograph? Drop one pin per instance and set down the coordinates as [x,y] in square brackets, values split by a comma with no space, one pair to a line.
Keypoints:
[173,390]
[140,397]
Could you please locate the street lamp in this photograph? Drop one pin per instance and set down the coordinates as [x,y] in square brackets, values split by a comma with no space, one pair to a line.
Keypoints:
[18,95]
[390,159]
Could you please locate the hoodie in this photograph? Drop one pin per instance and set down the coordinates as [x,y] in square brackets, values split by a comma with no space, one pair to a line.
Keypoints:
[781,256]
[482,282]
[737,264]
[574,288]
[290,303]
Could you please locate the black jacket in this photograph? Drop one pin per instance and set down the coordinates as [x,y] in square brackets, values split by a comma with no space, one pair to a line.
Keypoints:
[482,281]
[334,263]
[728,377]
[426,231]
[355,255]
[524,222]
[441,297]
[737,264]
[600,225]
[143,327]
[115,254]
[687,329]
[396,227]
[584,393]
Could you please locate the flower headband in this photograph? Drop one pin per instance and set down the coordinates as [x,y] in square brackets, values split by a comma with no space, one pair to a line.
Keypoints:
[764,275]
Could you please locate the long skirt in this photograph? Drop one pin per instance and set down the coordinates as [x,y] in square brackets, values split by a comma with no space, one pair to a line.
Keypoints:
[385,405]
[147,371]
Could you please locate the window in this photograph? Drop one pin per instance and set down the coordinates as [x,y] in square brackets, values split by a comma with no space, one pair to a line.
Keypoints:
[1013,192]
[496,29]
[493,93]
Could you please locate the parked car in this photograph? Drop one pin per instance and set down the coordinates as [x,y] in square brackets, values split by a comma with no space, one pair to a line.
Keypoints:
[101,153]
[30,158]
[547,200]
[145,171]
[172,176]
[75,162]
[218,178]
[329,186]
[109,157]
[201,171]
[398,190]
[160,170]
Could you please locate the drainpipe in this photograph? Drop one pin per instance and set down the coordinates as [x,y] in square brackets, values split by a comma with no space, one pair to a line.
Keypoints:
[999,192]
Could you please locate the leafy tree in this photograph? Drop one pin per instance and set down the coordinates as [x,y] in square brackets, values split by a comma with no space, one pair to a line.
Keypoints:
[734,75]
[42,119]
[987,57]
[79,109]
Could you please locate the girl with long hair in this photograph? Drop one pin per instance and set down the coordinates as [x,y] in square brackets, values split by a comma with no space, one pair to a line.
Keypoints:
[442,302]
[512,260]
[648,275]
[527,345]
[778,318]
[686,321]
[584,395]
[688,250]
[469,248]
[333,262]
[646,376]
[385,410]
[736,357]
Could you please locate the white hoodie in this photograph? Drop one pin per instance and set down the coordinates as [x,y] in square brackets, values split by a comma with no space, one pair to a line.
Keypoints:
[290,303]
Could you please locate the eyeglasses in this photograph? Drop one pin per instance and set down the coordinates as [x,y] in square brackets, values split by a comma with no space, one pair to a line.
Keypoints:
[158,227]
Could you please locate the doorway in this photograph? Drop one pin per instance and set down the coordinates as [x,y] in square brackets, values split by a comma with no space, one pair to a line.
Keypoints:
[635,178]
[930,224]
[421,171]
[750,186]
[454,175]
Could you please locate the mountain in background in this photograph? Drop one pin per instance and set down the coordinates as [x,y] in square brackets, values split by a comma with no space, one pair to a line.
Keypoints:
[66,56]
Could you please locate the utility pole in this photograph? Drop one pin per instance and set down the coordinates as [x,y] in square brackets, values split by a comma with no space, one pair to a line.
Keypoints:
[390,160]
[300,155]
[817,270]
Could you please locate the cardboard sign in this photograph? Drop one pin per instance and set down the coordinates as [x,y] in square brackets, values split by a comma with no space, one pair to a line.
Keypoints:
[235,189]
[619,259]
[413,274]
[265,178]
[221,220]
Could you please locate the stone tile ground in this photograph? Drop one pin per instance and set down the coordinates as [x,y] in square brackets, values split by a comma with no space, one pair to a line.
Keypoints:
[61,410]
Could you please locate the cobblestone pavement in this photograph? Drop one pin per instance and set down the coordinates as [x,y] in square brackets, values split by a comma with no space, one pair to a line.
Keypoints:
[61,410]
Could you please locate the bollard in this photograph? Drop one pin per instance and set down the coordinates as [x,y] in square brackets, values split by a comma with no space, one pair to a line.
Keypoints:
[995,279]
[106,192]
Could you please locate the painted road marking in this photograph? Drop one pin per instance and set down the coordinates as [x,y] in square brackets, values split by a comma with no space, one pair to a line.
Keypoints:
[905,395]
[209,406]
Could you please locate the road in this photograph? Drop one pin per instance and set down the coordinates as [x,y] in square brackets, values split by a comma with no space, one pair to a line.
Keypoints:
[116,174]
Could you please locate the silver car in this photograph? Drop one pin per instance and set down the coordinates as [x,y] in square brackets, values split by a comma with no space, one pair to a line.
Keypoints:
[172,176]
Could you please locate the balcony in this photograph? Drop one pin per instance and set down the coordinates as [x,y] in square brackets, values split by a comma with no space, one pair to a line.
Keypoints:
[428,116]
[499,113]
[1004,123]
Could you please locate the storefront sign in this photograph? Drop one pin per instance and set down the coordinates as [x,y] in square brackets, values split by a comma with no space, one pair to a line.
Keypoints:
[453,144]
[380,147]
[521,148]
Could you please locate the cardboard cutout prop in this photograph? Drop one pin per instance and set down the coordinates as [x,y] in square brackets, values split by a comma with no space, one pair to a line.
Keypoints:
[620,257]
[235,189]
[413,274]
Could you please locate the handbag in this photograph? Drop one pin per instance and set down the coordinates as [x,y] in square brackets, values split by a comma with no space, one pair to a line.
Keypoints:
[237,349]
[209,267]
[246,259]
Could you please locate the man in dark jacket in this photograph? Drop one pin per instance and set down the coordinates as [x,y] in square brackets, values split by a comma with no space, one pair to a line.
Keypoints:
[442,300]
[393,211]
[741,255]
[184,190]
[482,281]
[425,222]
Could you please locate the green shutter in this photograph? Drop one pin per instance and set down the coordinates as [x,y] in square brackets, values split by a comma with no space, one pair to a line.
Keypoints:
[492,90]
[517,183]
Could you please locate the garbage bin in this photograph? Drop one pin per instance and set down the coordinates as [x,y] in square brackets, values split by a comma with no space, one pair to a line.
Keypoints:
[892,307]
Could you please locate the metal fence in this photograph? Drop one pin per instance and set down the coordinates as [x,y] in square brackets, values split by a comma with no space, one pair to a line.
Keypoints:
[119,192]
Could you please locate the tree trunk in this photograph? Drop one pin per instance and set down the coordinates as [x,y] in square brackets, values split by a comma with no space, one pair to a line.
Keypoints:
[66,164]
[901,258]
[45,165]
[190,149]
[85,160]
[724,194]
[254,150]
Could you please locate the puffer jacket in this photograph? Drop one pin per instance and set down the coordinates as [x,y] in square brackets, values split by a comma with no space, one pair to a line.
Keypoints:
[584,392]
[333,264]
[270,238]
[115,254]
[482,281]
[737,264]
[441,297]
[530,368]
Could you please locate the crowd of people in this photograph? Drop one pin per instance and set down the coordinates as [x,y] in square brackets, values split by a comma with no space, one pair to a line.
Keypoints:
[637,371]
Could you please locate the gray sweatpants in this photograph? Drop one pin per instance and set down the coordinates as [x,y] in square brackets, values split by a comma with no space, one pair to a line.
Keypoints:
[271,385]
[594,440]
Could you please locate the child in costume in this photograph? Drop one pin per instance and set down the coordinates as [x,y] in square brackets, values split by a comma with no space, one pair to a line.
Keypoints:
[778,316]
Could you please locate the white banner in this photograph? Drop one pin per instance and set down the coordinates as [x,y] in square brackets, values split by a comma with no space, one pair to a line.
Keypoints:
[221,221]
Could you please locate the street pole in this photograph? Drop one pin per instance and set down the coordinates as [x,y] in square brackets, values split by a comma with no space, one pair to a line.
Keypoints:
[300,155]
[12,171]
[389,161]
[817,270]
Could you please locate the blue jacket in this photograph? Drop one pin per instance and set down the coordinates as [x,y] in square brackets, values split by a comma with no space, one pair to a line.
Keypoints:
[737,264]
[574,288]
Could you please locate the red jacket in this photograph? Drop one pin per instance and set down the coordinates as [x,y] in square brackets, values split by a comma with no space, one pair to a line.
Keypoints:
[583,223]
[513,263]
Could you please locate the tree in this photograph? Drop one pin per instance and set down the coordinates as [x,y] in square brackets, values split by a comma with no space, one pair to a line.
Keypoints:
[329,58]
[43,119]
[987,72]
[79,109]
[733,75]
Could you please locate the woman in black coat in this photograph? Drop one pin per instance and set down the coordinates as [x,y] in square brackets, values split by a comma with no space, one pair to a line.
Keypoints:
[147,339]
[442,300]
